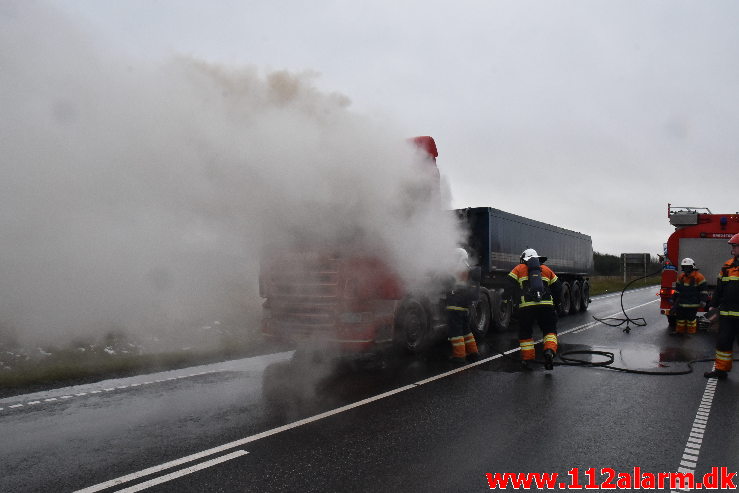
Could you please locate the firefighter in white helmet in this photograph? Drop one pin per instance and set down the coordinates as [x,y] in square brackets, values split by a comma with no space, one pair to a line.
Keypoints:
[458,303]
[725,308]
[537,291]
[690,294]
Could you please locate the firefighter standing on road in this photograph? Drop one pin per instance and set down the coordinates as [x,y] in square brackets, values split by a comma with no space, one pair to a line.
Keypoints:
[690,294]
[725,307]
[458,302]
[537,290]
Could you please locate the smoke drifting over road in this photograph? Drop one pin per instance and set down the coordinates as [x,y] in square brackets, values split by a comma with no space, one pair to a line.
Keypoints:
[137,196]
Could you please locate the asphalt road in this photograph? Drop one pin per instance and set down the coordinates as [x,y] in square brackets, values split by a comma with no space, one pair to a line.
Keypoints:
[266,424]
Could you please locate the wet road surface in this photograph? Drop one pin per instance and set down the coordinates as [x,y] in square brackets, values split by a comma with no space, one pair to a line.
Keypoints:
[414,424]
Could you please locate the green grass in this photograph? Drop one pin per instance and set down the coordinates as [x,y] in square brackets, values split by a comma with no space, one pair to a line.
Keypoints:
[69,367]
[615,284]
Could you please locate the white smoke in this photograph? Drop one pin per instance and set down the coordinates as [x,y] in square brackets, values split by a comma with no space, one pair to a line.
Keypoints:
[137,196]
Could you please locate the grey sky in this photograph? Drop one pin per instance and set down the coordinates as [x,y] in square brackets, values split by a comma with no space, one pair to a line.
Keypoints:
[591,115]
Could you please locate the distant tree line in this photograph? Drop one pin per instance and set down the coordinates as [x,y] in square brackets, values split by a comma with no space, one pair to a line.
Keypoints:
[605,264]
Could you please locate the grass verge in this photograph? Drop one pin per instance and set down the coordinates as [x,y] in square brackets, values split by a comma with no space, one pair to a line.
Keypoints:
[615,284]
[68,367]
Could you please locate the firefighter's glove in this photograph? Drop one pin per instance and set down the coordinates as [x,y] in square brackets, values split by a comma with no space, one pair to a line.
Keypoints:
[712,314]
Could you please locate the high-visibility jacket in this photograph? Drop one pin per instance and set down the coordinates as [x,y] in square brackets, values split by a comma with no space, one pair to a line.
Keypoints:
[520,277]
[726,296]
[690,290]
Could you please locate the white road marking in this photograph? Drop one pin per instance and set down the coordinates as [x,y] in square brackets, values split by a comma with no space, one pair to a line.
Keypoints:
[689,459]
[110,389]
[182,472]
[311,419]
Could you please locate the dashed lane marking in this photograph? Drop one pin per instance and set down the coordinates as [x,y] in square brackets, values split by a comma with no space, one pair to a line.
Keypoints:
[689,460]
[108,389]
[296,424]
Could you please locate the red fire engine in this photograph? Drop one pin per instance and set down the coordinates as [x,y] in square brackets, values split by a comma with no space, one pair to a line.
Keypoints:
[700,235]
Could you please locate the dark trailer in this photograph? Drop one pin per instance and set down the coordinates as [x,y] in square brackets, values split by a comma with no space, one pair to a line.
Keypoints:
[497,238]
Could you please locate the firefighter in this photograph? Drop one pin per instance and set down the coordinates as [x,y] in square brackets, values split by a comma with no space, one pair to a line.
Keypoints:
[458,302]
[537,291]
[690,294]
[725,308]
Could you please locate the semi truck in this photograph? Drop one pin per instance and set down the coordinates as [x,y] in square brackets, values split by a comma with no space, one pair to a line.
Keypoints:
[356,302]
[701,235]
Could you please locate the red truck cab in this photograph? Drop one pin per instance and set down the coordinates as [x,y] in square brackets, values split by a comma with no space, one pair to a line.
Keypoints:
[349,302]
[347,298]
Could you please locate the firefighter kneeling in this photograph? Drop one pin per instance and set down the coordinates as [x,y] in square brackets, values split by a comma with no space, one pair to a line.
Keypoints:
[458,302]
[538,291]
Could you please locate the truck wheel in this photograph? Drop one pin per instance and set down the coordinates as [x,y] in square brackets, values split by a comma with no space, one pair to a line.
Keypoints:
[480,315]
[413,327]
[584,296]
[502,309]
[564,302]
[575,297]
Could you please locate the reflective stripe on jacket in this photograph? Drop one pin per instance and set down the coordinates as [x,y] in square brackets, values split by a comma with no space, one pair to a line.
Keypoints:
[726,296]
[691,290]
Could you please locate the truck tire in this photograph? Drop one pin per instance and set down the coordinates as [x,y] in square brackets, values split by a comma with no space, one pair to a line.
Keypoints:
[565,301]
[481,315]
[584,296]
[412,330]
[575,297]
[502,310]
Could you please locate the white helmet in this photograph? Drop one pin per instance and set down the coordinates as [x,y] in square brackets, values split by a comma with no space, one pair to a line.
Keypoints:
[462,259]
[688,261]
[530,253]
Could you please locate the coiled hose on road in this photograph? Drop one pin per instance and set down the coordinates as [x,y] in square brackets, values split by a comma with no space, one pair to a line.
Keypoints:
[618,322]
[610,357]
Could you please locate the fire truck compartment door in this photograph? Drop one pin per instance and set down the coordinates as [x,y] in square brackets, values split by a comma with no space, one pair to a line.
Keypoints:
[709,255]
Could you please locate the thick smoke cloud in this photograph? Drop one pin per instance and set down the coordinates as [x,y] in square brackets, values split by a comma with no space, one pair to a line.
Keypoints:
[138,196]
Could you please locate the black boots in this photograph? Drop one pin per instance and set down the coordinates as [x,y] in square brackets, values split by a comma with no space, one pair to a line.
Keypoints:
[720,374]
[548,359]
[474,357]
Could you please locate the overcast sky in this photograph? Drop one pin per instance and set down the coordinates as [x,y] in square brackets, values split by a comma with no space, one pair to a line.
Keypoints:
[591,115]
